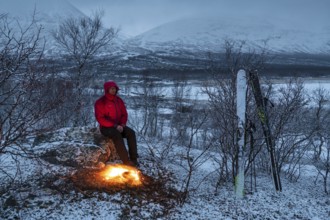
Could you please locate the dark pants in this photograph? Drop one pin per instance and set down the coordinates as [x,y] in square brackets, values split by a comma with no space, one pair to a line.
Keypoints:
[118,140]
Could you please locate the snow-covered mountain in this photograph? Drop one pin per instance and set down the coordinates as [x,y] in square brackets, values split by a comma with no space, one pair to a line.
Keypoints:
[210,33]
[195,33]
[46,12]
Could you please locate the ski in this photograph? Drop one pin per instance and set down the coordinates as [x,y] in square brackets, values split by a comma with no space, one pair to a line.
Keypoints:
[241,88]
[263,117]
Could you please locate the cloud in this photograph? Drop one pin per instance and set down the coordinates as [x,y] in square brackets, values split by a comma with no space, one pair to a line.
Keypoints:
[137,16]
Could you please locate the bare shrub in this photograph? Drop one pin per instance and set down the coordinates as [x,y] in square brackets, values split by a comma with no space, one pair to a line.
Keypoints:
[222,95]
[26,106]
[82,38]
[320,144]
[148,99]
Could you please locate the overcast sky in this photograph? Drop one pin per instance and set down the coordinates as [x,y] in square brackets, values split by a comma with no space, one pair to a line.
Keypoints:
[137,16]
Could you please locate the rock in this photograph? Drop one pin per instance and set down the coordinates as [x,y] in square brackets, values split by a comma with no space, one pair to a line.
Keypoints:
[76,147]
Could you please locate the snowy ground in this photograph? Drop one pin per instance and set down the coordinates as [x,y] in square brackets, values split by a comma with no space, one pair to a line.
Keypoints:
[44,193]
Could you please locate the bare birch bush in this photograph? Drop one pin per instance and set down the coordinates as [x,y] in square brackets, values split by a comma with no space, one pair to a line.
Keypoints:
[82,39]
[148,99]
[288,113]
[320,141]
[26,107]
[286,118]
[222,96]
[182,108]
[192,155]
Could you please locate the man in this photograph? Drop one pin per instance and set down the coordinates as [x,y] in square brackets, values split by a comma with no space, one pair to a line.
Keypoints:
[111,114]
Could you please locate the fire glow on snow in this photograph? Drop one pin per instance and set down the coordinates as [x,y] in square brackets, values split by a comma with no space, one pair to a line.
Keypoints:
[121,174]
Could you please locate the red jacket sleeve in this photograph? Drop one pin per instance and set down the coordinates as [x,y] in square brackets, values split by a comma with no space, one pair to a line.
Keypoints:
[101,116]
[124,115]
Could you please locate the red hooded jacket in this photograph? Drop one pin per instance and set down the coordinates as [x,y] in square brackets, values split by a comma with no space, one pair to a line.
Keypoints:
[110,110]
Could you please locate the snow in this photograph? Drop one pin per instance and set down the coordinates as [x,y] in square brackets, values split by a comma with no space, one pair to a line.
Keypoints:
[303,199]
[300,199]
[45,196]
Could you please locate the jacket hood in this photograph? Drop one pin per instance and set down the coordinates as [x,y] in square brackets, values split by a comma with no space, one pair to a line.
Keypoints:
[109,84]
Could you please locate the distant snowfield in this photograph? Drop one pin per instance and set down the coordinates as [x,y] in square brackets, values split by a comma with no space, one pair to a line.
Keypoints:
[310,86]
[195,91]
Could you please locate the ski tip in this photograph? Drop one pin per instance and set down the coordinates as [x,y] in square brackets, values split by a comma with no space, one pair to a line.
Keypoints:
[241,75]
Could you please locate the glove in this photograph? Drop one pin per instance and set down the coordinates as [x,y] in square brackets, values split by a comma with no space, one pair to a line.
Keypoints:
[120,128]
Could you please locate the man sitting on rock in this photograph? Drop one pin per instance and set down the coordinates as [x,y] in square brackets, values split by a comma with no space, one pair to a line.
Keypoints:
[111,114]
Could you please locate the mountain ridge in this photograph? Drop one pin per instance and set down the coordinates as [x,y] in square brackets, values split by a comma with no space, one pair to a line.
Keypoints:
[210,33]
[193,34]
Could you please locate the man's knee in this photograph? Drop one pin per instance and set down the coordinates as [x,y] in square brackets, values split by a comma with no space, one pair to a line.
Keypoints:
[129,131]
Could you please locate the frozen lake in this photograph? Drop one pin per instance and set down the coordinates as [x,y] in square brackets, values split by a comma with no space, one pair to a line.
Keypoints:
[193,89]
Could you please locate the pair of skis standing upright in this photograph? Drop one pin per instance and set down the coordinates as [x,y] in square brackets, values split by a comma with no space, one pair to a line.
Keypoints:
[243,81]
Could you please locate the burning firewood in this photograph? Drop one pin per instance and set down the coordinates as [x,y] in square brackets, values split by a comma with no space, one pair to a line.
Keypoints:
[111,177]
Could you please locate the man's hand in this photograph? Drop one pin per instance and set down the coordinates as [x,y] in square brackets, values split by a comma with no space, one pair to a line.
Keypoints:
[120,128]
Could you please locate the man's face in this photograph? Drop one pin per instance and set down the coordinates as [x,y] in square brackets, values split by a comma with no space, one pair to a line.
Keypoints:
[112,90]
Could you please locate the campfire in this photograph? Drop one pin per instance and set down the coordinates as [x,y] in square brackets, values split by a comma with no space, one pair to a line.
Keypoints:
[128,181]
[111,177]
[121,174]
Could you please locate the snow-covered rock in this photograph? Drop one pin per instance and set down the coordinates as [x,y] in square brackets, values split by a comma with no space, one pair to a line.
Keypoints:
[75,147]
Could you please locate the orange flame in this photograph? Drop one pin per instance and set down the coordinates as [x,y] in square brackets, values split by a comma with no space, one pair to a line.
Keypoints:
[121,174]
